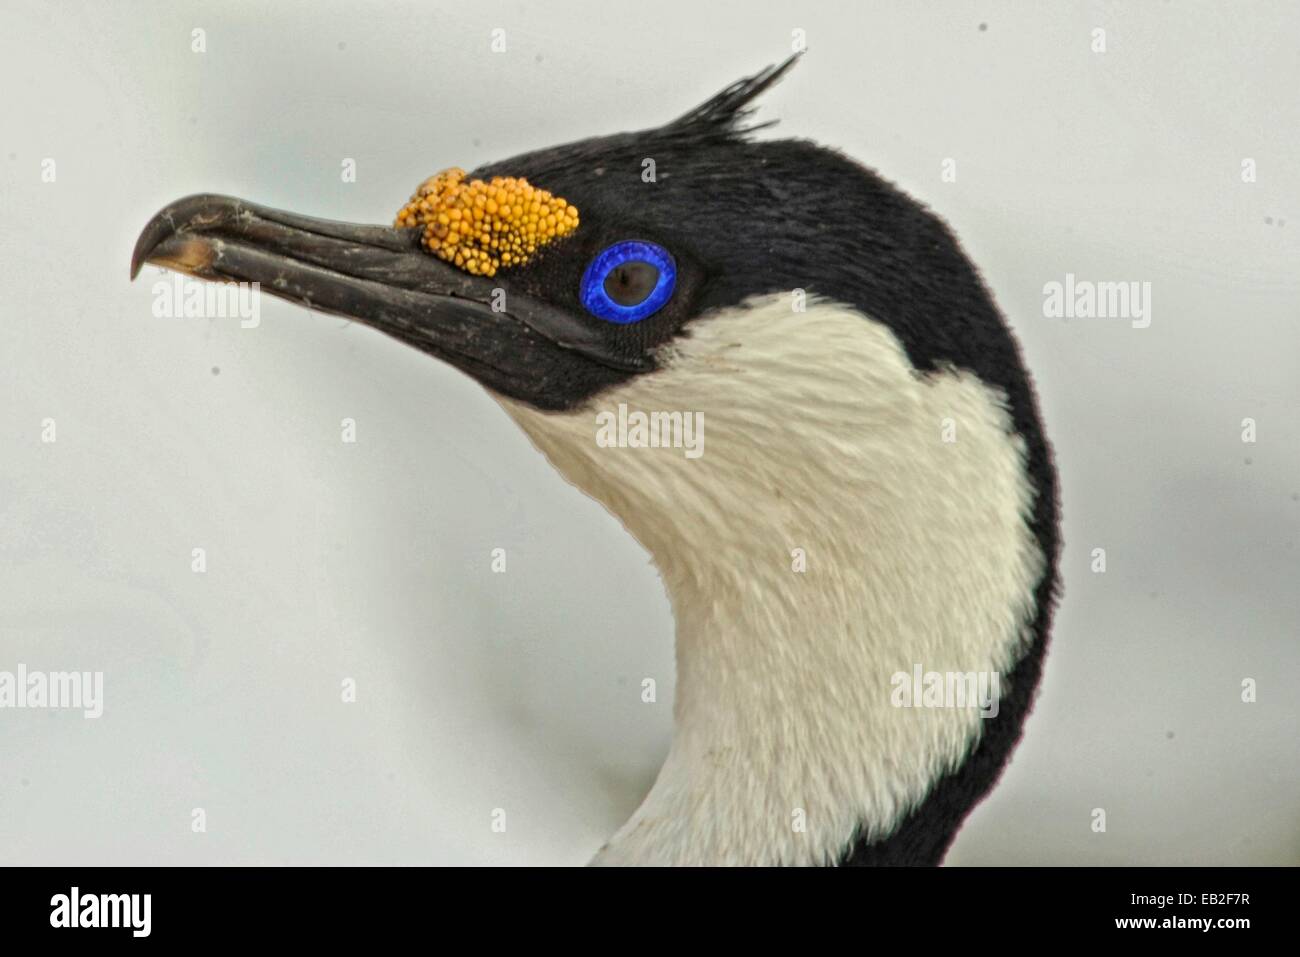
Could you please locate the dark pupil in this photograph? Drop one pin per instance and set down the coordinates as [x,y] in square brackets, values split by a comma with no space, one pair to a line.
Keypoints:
[630,282]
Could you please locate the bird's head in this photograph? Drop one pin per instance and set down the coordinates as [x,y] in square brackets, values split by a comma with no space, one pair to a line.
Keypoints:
[561,277]
[571,268]
[826,332]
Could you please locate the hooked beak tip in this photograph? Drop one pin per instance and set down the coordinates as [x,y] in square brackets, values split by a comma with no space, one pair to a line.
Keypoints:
[200,212]
[147,241]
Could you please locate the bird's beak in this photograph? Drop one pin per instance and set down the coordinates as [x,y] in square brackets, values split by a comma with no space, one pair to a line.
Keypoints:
[378,275]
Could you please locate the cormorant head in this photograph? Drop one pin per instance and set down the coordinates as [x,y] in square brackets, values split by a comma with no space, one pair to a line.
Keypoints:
[655,229]
[875,494]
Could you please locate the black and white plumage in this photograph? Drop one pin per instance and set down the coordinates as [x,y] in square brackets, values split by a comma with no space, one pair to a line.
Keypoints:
[824,434]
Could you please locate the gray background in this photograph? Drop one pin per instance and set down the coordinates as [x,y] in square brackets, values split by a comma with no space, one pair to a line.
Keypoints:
[371,561]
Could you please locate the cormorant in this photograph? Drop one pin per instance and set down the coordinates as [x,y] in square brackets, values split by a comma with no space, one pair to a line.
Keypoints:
[875,504]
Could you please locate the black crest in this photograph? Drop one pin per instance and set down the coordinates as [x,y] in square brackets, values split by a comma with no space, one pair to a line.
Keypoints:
[721,116]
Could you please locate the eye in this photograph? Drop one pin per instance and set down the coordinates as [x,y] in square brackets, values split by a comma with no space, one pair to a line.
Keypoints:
[628,281]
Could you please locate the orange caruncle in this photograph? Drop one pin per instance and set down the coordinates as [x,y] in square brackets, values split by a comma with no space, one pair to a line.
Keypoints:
[481,226]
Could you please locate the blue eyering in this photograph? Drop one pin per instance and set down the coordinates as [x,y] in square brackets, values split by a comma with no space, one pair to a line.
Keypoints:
[592,291]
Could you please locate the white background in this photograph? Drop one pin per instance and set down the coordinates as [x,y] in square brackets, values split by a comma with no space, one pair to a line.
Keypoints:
[371,561]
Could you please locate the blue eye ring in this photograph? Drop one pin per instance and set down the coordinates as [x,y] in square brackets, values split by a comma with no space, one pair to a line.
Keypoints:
[597,301]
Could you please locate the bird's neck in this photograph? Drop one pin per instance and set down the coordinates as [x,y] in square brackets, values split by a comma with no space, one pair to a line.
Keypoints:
[848,522]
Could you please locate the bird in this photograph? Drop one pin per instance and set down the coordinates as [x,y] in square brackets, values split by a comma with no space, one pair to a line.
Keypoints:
[876,503]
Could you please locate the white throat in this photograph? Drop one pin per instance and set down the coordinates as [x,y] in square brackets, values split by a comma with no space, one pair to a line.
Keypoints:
[909,500]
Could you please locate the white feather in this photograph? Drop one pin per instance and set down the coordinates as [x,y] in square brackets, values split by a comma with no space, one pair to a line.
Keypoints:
[821,436]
